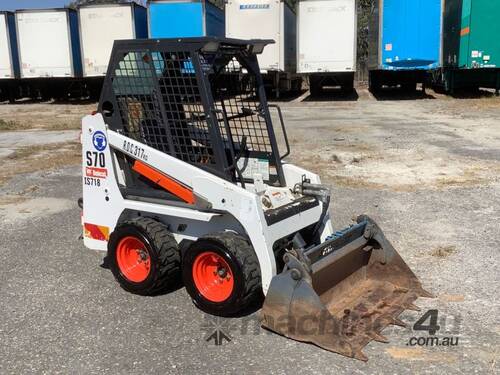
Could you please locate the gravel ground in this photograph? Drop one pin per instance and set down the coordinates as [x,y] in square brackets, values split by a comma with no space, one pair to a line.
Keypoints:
[12,140]
[426,170]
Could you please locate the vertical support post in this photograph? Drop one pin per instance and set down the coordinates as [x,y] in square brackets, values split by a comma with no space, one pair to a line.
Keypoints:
[210,116]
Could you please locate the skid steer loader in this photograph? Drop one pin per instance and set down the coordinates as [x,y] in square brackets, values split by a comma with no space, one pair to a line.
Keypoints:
[184,178]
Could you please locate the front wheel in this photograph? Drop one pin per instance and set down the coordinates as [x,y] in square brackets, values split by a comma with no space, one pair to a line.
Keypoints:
[221,274]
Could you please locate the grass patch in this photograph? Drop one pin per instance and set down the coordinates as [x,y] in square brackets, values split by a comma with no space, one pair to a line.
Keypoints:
[10,125]
[40,158]
[64,126]
[443,251]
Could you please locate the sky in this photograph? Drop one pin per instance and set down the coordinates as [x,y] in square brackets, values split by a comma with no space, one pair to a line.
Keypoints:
[28,4]
[31,4]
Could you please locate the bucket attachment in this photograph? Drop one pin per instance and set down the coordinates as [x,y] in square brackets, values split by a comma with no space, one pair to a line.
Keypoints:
[341,294]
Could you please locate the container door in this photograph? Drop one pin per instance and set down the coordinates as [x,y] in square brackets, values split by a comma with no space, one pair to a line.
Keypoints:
[44,44]
[176,20]
[6,70]
[482,29]
[327,36]
[411,34]
[256,19]
[99,28]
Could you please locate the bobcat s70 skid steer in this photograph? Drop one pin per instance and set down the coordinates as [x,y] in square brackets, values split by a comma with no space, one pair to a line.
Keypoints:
[184,178]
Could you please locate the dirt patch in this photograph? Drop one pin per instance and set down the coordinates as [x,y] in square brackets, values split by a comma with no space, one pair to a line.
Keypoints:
[443,251]
[418,354]
[15,208]
[43,116]
[16,126]
[397,169]
[39,157]
[10,125]
[6,200]
[452,298]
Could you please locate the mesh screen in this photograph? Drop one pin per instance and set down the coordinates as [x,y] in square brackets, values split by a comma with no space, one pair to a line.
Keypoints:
[159,104]
[235,95]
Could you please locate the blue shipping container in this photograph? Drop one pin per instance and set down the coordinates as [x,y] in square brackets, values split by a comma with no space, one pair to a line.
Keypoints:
[176,19]
[409,34]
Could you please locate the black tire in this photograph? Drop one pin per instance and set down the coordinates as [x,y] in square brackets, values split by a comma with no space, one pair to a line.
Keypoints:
[240,256]
[409,87]
[374,84]
[162,250]
[315,87]
[348,88]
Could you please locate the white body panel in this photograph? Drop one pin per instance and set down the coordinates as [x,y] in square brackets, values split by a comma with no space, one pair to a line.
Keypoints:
[44,44]
[265,19]
[232,207]
[327,36]
[100,26]
[6,68]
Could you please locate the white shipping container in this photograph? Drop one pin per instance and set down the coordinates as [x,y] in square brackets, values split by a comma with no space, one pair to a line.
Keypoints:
[100,26]
[6,67]
[327,36]
[44,44]
[265,19]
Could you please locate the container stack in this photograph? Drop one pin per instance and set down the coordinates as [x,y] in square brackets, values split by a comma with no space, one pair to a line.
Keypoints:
[451,44]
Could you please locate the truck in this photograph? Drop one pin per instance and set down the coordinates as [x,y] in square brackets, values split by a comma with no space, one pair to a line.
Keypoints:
[404,42]
[49,51]
[100,25]
[326,43]
[471,52]
[274,20]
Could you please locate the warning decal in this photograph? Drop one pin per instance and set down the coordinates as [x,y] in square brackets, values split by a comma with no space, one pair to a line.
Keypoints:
[96,232]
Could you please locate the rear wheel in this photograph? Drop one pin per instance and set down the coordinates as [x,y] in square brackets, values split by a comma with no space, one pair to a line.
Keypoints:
[374,83]
[221,274]
[144,256]
[409,87]
[315,87]
[348,88]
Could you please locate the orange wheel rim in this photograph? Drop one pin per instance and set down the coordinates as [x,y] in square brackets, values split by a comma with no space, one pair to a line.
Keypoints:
[133,259]
[213,277]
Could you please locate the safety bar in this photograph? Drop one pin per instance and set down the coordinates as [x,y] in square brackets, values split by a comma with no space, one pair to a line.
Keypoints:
[280,115]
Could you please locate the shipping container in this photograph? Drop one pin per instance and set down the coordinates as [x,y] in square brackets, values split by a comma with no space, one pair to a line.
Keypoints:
[405,41]
[326,42]
[471,47]
[182,19]
[101,25]
[49,45]
[9,59]
[265,19]
[274,20]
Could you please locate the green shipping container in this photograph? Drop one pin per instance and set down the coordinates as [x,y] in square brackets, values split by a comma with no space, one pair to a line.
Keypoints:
[471,35]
